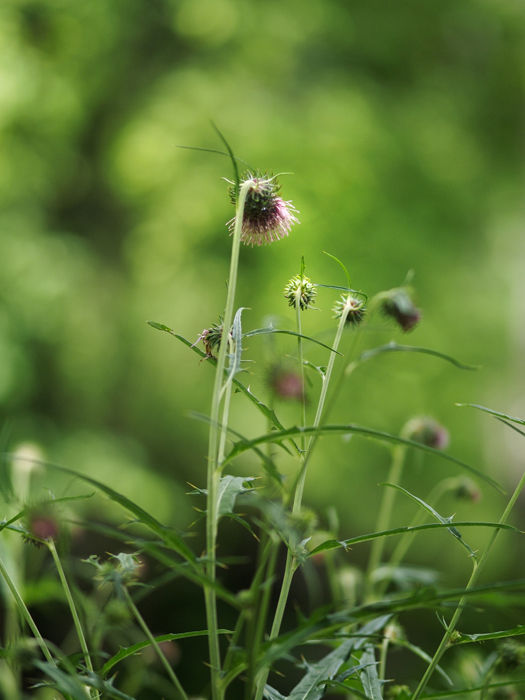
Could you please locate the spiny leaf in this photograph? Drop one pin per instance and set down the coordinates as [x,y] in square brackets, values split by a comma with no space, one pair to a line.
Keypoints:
[129,651]
[277,436]
[333,544]
[229,488]
[394,347]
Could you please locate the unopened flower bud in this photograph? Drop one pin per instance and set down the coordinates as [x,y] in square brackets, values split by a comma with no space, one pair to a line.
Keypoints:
[266,217]
[42,524]
[398,304]
[119,570]
[427,431]
[300,290]
[211,338]
[285,383]
[511,656]
[354,307]
[467,490]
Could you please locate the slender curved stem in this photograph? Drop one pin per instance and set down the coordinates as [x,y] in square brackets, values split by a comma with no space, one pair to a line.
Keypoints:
[213,451]
[445,642]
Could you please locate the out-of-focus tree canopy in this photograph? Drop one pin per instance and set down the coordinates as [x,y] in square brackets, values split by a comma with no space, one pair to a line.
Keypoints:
[403,125]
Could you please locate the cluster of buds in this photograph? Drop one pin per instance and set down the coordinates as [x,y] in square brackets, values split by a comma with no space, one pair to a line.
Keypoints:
[427,431]
[354,307]
[300,291]
[266,216]
[399,305]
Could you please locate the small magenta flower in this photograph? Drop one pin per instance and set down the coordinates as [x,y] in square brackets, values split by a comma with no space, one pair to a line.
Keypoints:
[300,289]
[427,431]
[266,217]
[399,305]
[354,307]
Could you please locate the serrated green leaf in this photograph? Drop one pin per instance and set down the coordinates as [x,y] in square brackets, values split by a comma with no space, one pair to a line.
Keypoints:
[279,435]
[130,651]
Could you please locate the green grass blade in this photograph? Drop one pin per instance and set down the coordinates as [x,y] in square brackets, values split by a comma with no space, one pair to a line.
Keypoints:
[277,436]
[129,651]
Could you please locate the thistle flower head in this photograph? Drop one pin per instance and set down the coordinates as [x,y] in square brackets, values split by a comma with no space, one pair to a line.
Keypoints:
[266,217]
[354,307]
[427,431]
[300,290]
[399,305]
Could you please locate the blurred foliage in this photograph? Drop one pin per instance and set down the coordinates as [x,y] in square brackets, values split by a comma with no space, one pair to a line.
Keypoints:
[403,125]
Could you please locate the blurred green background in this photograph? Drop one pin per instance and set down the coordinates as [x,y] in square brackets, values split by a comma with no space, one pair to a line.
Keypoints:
[402,123]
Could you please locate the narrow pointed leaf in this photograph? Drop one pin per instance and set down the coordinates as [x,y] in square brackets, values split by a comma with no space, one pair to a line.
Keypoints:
[279,435]
[267,412]
[426,657]
[395,347]
[445,521]
[129,651]
[468,638]
[520,421]
[168,535]
[271,329]
[333,544]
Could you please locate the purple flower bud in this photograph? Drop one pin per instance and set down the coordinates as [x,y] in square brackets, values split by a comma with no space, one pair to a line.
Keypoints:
[398,304]
[427,431]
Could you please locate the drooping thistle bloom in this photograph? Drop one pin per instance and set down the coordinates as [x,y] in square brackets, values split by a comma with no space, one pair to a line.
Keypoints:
[399,305]
[427,431]
[301,289]
[266,217]
[354,306]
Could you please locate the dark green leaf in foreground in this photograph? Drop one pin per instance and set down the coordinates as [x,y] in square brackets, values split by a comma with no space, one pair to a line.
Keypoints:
[278,436]
[333,544]
[129,651]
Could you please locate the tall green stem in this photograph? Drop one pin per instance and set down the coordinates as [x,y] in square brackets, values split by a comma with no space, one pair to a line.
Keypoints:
[213,450]
[25,613]
[445,642]
[385,512]
[71,602]
[160,654]
[291,561]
